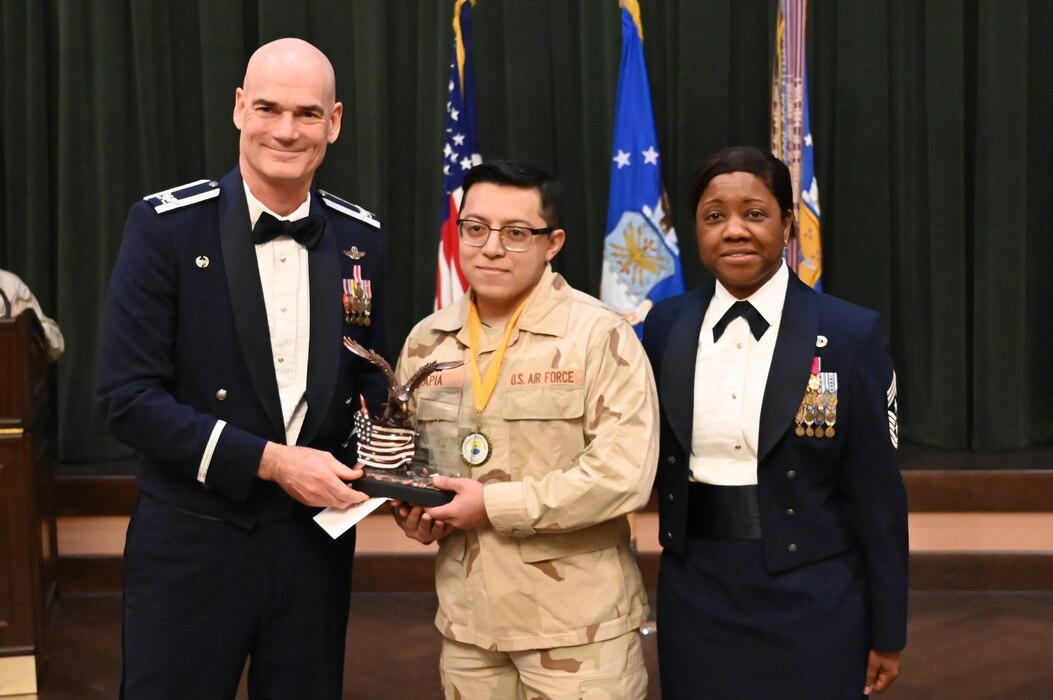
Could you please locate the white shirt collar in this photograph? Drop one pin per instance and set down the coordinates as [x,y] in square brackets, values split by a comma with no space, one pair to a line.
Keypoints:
[769,299]
[256,207]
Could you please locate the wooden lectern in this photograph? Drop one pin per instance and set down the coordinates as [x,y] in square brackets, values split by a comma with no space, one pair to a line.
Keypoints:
[28,548]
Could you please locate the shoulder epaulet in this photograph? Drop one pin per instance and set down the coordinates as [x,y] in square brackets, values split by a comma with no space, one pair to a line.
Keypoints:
[181,196]
[345,207]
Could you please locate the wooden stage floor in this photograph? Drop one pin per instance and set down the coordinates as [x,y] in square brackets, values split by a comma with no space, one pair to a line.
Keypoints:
[962,645]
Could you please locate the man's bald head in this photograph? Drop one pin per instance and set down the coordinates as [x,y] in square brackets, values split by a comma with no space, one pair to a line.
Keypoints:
[292,52]
[288,114]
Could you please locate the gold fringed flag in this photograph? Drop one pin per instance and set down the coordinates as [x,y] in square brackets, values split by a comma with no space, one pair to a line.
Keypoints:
[791,138]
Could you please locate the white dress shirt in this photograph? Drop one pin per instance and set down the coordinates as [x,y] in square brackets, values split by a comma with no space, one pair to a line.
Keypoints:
[287,296]
[730,376]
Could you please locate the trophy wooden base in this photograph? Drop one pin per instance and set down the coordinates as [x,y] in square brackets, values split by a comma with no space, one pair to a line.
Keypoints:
[403,484]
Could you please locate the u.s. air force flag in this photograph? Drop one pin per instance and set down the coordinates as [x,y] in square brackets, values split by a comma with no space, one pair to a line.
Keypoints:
[641,258]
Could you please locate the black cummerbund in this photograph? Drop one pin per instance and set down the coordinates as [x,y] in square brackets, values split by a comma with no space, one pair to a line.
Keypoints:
[723,512]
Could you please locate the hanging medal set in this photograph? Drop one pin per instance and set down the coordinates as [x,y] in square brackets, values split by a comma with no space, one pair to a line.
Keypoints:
[817,414]
[477,447]
[358,299]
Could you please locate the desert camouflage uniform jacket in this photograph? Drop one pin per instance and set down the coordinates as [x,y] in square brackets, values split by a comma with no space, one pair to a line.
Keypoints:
[573,424]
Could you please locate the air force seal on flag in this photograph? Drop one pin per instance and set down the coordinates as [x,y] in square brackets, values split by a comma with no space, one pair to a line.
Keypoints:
[641,258]
[637,258]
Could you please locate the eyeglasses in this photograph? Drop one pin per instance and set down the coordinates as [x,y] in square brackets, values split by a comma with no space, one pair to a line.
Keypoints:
[515,239]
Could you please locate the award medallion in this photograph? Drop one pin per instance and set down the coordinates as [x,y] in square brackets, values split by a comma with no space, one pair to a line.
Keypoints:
[475,449]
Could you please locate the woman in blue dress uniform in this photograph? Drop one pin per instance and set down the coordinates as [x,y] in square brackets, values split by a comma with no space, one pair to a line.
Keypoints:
[783,515]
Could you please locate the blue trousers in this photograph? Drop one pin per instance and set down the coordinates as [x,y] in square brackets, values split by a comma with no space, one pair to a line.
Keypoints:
[202,596]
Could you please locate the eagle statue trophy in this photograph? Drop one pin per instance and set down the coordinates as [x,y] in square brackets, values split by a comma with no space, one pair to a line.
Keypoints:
[386,445]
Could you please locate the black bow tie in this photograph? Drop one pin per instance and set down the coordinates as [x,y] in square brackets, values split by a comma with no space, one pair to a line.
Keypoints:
[306,231]
[747,311]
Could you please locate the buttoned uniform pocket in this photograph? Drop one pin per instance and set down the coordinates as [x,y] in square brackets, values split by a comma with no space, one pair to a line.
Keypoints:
[552,403]
[545,429]
[437,434]
[438,406]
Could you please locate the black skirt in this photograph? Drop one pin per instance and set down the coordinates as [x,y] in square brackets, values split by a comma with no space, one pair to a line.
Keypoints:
[729,629]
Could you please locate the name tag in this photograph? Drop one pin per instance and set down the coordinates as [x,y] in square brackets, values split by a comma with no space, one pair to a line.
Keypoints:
[448,378]
[546,377]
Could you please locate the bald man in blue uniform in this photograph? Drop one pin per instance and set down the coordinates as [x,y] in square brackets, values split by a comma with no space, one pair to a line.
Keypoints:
[222,366]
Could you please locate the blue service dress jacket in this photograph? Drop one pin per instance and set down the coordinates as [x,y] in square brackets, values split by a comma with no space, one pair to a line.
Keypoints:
[817,497]
[186,344]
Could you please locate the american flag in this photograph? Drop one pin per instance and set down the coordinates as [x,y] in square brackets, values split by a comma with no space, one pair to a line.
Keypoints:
[460,153]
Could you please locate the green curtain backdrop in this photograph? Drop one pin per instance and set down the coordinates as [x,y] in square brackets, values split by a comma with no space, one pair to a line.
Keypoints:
[931,121]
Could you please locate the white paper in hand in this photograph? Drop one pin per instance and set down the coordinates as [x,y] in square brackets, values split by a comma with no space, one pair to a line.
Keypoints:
[337,521]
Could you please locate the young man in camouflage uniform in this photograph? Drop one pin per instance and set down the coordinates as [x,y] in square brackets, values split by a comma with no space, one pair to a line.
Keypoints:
[548,436]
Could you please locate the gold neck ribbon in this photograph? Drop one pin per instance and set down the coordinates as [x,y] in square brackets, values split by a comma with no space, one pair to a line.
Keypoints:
[483,387]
